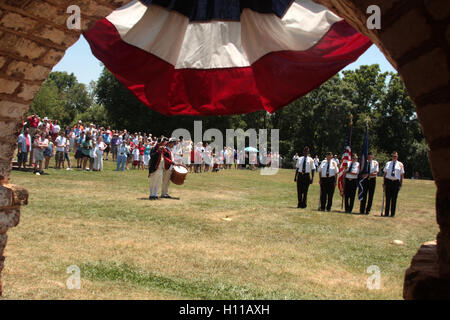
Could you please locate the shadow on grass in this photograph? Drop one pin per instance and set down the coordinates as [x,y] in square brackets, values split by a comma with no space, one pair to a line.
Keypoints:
[211,289]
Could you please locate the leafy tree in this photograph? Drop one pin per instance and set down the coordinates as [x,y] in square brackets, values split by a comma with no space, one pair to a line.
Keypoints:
[61,97]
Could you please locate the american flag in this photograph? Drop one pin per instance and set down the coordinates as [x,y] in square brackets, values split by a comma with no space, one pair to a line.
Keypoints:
[346,158]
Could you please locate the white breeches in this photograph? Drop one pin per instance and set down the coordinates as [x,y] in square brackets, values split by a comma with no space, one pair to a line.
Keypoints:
[166,182]
[155,182]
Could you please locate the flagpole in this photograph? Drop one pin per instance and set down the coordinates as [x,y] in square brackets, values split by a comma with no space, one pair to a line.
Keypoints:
[364,165]
[343,173]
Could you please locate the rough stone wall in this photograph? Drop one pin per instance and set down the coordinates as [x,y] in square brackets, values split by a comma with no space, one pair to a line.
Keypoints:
[33,38]
[415,37]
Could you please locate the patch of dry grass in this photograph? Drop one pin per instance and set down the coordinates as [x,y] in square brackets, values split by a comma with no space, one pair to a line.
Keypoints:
[132,248]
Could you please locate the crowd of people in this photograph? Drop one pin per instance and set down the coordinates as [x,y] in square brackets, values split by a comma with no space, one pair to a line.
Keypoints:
[90,145]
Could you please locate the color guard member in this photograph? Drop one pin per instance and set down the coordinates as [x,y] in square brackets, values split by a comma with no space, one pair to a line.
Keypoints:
[369,184]
[304,176]
[394,172]
[327,172]
[351,183]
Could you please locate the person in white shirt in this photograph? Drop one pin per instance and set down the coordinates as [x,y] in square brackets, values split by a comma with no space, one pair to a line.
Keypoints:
[178,152]
[328,171]
[66,152]
[317,163]
[369,182]
[39,145]
[208,157]
[187,148]
[295,159]
[135,154]
[55,130]
[24,147]
[335,158]
[60,143]
[304,176]
[122,154]
[100,148]
[351,183]
[394,172]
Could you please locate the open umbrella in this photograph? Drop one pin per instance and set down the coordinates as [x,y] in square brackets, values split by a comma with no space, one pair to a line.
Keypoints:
[218,57]
[251,149]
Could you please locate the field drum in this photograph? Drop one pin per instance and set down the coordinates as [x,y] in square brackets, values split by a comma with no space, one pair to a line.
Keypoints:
[179,174]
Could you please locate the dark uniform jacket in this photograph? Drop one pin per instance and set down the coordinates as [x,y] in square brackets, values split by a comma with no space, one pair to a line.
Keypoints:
[155,159]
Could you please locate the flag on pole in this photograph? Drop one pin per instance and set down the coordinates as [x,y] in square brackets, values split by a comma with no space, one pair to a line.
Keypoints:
[220,57]
[346,159]
[363,165]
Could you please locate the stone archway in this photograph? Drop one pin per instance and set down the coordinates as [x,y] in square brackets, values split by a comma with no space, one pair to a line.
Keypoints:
[414,36]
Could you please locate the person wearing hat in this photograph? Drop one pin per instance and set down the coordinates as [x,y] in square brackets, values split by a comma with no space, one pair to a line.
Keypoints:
[328,171]
[156,168]
[304,176]
[369,183]
[168,167]
[394,172]
[351,183]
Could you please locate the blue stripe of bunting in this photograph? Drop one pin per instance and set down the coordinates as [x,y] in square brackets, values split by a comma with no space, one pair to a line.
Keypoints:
[228,10]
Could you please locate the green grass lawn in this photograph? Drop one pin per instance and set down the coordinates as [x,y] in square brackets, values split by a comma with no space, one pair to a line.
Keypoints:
[128,247]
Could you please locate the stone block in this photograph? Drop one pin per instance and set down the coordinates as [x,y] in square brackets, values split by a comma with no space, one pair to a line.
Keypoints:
[22,47]
[46,11]
[13,110]
[8,128]
[52,57]
[398,39]
[3,240]
[426,73]
[447,35]
[28,92]
[434,120]
[8,86]
[57,36]
[27,71]
[422,279]
[6,151]
[439,160]
[18,22]
[443,249]
[5,168]
[94,9]
[6,196]
[9,219]
[439,9]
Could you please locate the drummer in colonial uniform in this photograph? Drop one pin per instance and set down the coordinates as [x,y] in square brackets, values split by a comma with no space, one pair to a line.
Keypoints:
[168,167]
[156,168]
